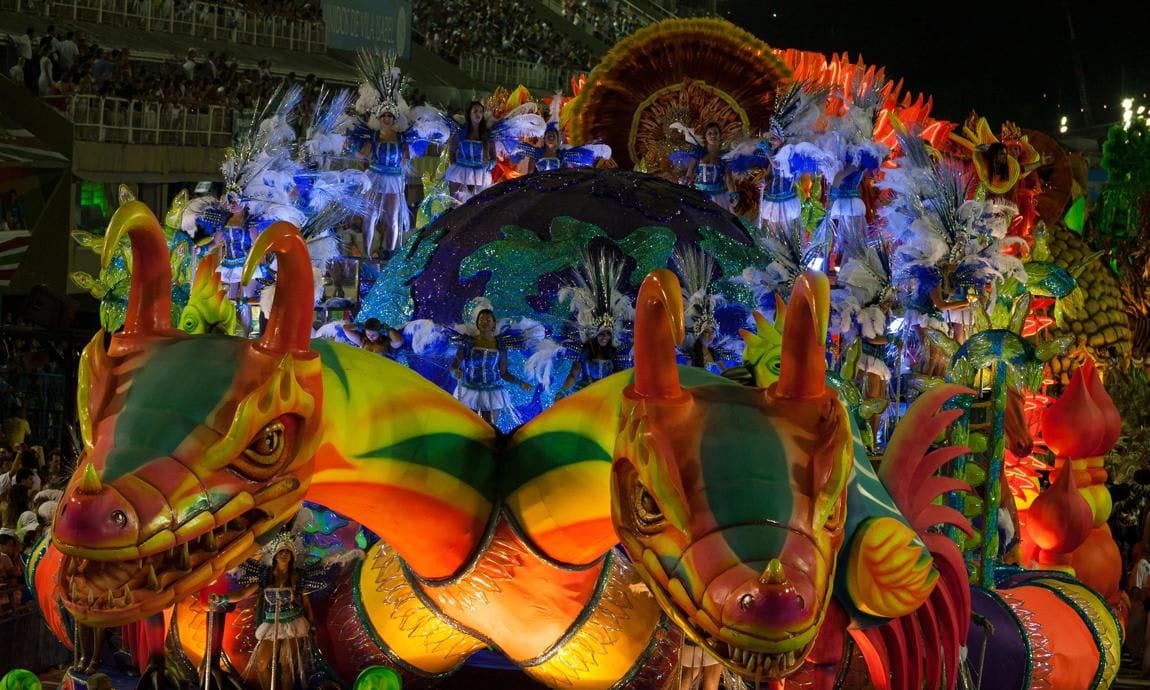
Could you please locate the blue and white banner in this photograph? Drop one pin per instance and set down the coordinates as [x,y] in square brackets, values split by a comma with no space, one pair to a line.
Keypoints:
[369,24]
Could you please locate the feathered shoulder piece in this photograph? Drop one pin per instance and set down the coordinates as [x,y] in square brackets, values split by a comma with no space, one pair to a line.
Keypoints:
[325,137]
[263,143]
[866,270]
[798,107]
[790,256]
[430,338]
[696,270]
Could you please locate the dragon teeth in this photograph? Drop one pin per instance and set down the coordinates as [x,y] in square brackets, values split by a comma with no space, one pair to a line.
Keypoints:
[153,581]
[183,559]
[209,541]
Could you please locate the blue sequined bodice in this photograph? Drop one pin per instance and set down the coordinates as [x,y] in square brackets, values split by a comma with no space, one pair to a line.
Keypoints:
[279,605]
[469,153]
[237,244]
[481,368]
[848,186]
[596,369]
[709,177]
[781,187]
[387,158]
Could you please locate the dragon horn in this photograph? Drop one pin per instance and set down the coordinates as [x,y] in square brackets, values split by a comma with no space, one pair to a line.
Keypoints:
[289,322]
[150,298]
[658,329]
[803,370]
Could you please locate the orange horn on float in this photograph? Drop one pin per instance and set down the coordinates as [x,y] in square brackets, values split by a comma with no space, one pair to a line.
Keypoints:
[150,298]
[803,370]
[658,329]
[289,323]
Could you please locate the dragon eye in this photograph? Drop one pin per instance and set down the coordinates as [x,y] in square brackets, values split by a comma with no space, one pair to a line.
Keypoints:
[648,515]
[268,449]
[774,364]
[265,448]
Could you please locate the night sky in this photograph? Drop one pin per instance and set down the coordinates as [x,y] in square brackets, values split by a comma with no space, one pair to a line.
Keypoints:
[1008,60]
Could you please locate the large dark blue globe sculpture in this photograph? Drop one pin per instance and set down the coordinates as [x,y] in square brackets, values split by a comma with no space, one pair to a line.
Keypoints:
[517,243]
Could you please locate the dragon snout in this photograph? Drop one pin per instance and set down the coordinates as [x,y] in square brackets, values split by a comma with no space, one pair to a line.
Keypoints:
[95,517]
[775,599]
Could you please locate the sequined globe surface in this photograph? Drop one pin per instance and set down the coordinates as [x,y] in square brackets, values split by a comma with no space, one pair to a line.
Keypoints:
[517,242]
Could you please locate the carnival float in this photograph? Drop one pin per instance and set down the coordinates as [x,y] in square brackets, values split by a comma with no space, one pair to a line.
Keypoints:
[745,359]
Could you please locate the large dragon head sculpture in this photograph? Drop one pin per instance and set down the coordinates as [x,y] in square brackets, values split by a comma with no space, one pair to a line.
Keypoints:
[731,500]
[195,447]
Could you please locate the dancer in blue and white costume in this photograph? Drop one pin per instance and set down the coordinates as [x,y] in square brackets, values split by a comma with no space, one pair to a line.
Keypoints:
[597,341]
[472,154]
[704,165]
[789,149]
[384,116]
[705,346]
[850,155]
[258,173]
[480,365]
[553,153]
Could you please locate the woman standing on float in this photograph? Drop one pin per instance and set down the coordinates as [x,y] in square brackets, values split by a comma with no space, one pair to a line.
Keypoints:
[472,155]
[384,112]
[480,366]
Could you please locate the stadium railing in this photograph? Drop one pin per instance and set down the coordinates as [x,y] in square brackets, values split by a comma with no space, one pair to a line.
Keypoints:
[513,72]
[108,119]
[198,19]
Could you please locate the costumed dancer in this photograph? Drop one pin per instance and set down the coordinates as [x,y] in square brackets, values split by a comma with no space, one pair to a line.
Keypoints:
[704,166]
[850,155]
[789,148]
[866,274]
[257,172]
[326,195]
[480,364]
[478,142]
[703,346]
[386,117]
[472,155]
[553,153]
[370,337]
[282,655]
[950,250]
[596,341]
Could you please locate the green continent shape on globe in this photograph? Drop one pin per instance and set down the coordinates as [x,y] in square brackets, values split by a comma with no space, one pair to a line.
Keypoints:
[732,257]
[390,298]
[651,247]
[516,261]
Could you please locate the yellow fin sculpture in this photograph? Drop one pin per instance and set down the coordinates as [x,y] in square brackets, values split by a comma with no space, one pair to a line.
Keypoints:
[209,310]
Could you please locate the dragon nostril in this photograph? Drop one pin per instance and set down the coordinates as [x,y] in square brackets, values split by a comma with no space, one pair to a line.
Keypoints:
[746,601]
[119,518]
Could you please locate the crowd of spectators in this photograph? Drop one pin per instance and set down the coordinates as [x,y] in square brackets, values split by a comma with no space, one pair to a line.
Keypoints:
[32,473]
[611,20]
[498,28]
[188,83]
